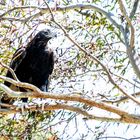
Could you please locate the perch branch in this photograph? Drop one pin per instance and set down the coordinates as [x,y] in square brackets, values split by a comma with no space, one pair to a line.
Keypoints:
[58,107]
[20,84]
[65,107]
[34,94]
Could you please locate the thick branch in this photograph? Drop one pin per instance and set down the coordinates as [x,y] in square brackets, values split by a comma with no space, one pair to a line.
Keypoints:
[109,15]
[122,8]
[134,9]
[130,53]
[65,107]
[130,49]
[124,115]
[20,84]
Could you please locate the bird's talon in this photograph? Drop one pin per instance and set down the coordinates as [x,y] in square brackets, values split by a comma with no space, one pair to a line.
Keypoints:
[43,106]
[23,106]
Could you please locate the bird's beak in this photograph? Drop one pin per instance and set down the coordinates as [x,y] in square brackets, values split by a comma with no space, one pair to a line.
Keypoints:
[52,35]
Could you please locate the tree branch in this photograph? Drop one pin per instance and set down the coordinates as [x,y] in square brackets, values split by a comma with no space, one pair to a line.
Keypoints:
[126,117]
[43,10]
[20,84]
[21,7]
[22,19]
[122,8]
[134,9]
[130,46]
[130,50]
[57,107]
[121,99]
[10,69]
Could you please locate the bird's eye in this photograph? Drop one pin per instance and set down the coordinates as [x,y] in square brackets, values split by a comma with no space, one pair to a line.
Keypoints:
[46,32]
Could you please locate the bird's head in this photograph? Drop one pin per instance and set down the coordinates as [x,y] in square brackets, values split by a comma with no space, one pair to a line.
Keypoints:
[45,35]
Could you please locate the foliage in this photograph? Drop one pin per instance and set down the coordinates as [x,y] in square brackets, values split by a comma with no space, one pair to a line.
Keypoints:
[105,79]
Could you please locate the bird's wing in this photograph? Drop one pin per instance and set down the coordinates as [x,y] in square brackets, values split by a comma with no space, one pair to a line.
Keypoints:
[51,62]
[17,58]
[50,68]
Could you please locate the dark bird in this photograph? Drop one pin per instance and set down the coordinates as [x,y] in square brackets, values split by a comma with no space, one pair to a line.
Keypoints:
[32,64]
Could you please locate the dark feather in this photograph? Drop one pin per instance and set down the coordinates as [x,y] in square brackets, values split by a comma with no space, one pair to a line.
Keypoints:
[32,64]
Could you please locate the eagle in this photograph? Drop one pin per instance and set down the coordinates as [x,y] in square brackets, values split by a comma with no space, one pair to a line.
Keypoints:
[32,64]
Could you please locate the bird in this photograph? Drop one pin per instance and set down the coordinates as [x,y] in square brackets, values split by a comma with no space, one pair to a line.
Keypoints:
[32,64]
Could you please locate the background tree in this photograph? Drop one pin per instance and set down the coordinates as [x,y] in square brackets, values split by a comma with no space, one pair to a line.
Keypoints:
[94,88]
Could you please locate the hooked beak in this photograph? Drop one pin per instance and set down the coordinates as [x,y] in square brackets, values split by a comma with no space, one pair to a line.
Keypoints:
[51,35]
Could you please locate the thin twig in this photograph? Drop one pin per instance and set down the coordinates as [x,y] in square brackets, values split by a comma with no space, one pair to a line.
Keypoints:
[124,79]
[10,70]
[121,99]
